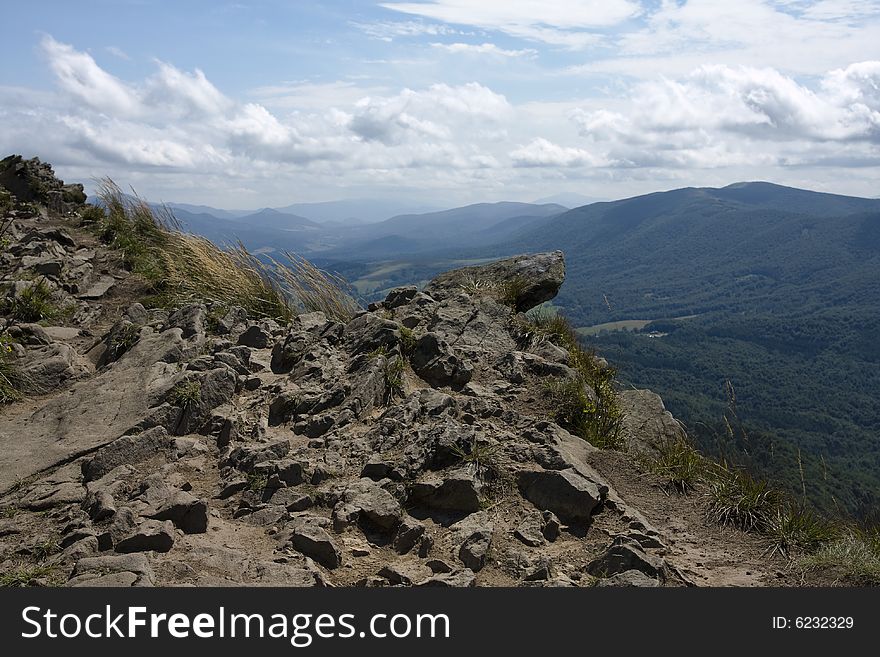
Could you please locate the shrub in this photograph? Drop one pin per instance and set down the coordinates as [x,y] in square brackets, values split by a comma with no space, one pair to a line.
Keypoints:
[12,382]
[407,342]
[738,499]
[587,405]
[183,267]
[186,394]
[853,558]
[511,290]
[34,303]
[681,465]
[798,527]
[92,215]
[393,370]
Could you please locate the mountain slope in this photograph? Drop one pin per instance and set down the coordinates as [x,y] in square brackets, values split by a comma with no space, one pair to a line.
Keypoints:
[778,286]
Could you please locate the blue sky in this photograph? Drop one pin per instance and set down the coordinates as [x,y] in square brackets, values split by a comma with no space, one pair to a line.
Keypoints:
[255,103]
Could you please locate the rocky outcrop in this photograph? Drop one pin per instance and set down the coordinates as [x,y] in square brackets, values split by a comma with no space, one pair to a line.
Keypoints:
[409,446]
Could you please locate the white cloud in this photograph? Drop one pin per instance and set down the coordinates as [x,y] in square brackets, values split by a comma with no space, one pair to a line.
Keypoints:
[798,37]
[190,93]
[484,49]
[724,116]
[543,153]
[80,76]
[431,113]
[709,124]
[562,22]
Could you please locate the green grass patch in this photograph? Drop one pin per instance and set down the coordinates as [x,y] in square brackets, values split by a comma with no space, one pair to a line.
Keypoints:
[183,268]
[393,369]
[740,500]
[35,303]
[27,576]
[799,528]
[586,405]
[681,465]
[185,394]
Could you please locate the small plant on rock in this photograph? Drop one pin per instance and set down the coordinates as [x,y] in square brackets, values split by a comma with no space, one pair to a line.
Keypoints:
[510,291]
[408,341]
[28,576]
[393,371]
[33,304]
[12,382]
[257,482]
[46,549]
[186,394]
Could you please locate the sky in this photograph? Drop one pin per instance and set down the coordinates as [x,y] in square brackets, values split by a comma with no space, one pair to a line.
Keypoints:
[264,103]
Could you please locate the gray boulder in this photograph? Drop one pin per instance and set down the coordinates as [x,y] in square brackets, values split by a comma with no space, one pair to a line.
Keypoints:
[564,492]
[313,541]
[529,279]
[150,535]
[435,362]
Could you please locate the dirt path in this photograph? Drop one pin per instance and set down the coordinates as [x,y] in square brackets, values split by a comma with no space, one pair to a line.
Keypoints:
[707,554]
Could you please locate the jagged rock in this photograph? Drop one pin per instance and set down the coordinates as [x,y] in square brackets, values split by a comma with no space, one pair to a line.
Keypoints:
[403,574]
[647,425]
[126,450]
[457,491]
[234,321]
[433,360]
[93,412]
[52,366]
[474,535]
[151,535]
[531,279]
[538,527]
[99,288]
[565,493]
[188,513]
[400,296]
[29,334]
[256,337]
[364,499]
[190,320]
[539,572]
[459,578]
[112,570]
[84,547]
[623,556]
[100,506]
[315,542]
[628,578]
[245,457]
[411,533]
[439,566]
[369,332]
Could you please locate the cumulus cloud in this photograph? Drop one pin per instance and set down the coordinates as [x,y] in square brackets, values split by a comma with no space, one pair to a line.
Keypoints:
[176,120]
[721,115]
[467,138]
[543,153]
[432,113]
[79,75]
